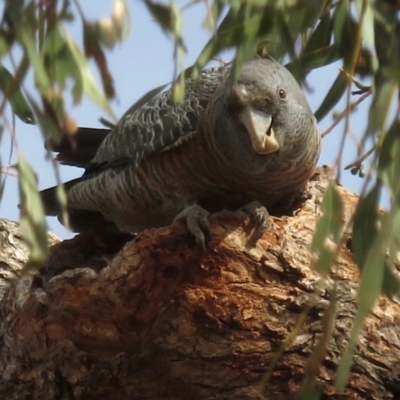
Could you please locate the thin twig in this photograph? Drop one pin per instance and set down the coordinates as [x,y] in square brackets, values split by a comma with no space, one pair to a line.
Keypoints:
[345,112]
[79,8]
[6,171]
[350,73]
[362,158]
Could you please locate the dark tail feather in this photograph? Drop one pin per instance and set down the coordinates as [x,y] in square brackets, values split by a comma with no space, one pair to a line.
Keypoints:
[49,197]
[78,149]
[85,220]
[79,220]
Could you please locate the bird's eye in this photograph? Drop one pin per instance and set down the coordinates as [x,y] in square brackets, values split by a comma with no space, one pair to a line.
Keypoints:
[281,94]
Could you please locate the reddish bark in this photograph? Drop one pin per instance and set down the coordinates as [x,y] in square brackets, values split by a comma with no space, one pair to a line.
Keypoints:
[160,319]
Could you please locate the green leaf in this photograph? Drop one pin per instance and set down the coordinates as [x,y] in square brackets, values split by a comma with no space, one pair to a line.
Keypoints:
[386,34]
[389,172]
[4,46]
[317,51]
[107,123]
[368,31]
[365,226]
[212,17]
[32,223]
[14,12]
[391,281]
[344,29]
[41,76]
[321,36]
[94,50]
[389,161]
[331,220]
[309,393]
[285,34]
[61,65]
[248,39]
[369,289]
[371,286]
[10,88]
[312,11]
[333,96]
[163,14]
[90,87]
[242,29]
[385,89]
[328,229]
[308,62]
[61,195]
[48,126]
[111,30]
[178,89]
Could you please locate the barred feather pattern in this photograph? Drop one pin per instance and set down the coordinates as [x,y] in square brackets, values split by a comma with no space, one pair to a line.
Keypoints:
[160,123]
[200,152]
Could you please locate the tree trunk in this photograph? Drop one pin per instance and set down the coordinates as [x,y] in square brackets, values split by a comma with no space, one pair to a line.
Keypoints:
[158,318]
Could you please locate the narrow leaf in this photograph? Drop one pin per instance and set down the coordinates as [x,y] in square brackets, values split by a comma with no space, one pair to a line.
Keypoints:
[365,226]
[41,76]
[90,87]
[307,62]
[321,36]
[385,89]
[32,224]
[333,96]
[328,230]
[11,89]
[368,31]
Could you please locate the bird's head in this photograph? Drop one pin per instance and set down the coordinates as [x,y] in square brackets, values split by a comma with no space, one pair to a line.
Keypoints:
[269,103]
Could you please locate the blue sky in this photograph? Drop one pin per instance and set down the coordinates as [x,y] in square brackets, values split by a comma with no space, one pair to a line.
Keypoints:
[143,61]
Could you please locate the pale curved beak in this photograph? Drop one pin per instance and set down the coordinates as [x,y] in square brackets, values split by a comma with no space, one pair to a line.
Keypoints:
[259,127]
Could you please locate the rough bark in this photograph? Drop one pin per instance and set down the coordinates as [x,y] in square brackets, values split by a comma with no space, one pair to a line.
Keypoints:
[13,253]
[158,318]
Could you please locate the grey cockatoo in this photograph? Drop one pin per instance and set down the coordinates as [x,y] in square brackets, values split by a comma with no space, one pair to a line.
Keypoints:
[250,145]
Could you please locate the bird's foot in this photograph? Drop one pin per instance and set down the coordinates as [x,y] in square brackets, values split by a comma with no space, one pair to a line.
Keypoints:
[303,196]
[197,222]
[260,218]
[294,200]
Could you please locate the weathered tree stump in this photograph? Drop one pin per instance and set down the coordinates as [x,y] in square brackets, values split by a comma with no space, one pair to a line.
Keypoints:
[158,318]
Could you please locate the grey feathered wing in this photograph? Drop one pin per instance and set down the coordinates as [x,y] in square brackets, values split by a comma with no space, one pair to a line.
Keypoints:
[157,126]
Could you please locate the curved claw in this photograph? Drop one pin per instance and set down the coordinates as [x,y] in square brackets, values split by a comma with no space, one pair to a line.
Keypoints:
[260,218]
[197,222]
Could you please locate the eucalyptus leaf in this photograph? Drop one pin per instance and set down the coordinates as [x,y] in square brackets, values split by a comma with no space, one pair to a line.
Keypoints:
[164,14]
[365,230]
[370,288]
[333,96]
[328,229]
[368,26]
[344,29]
[112,29]
[12,91]
[389,161]
[308,12]
[41,76]
[385,90]
[32,223]
[321,36]
[90,87]
[308,62]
